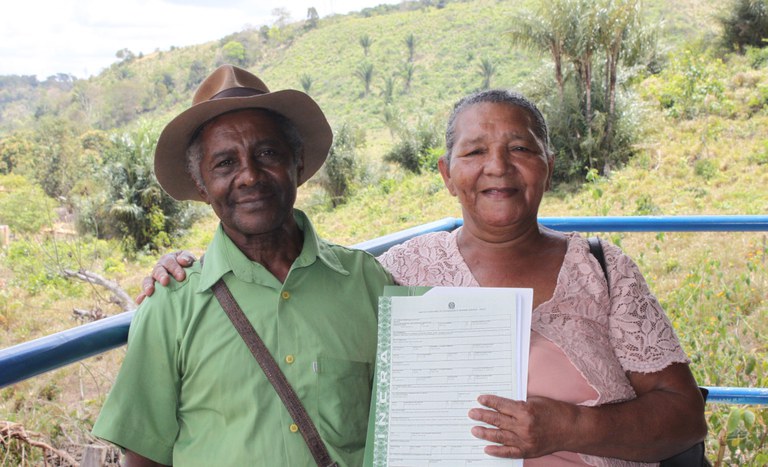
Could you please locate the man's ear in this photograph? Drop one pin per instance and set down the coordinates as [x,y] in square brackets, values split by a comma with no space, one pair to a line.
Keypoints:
[444,165]
[203,193]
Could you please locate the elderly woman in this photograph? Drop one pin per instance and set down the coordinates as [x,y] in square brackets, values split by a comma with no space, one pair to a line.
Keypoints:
[608,383]
[607,378]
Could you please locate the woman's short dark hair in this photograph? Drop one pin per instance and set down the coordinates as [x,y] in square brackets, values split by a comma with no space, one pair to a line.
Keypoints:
[498,96]
[195,148]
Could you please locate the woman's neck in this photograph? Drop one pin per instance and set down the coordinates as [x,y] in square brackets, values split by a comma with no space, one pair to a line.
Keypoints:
[530,258]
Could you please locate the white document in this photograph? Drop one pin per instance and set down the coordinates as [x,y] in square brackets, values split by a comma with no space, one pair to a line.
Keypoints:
[436,353]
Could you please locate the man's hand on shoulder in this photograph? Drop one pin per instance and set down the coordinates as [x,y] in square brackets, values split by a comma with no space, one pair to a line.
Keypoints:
[169,265]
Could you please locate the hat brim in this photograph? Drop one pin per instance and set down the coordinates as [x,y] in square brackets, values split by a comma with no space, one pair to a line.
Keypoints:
[299,108]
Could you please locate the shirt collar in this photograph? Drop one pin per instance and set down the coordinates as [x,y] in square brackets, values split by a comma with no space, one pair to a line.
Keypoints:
[223,256]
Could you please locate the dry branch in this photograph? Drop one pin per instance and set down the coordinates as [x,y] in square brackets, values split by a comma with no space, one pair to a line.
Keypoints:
[10,431]
[119,296]
[88,315]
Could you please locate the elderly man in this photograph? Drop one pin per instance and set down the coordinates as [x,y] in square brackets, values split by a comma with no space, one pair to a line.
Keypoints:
[189,392]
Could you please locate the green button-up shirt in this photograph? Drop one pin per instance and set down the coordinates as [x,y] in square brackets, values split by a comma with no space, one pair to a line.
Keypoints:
[189,391]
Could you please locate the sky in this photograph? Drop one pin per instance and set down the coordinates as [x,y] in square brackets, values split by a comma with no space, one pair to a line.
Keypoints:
[81,37]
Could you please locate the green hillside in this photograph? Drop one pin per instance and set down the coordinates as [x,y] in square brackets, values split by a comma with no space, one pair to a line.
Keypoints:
[449,44]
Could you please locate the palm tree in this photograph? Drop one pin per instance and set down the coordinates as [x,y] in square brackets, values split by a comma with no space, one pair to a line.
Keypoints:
[365,73]
[487,70]
[622,37]
[312,18]
[365,43]
[577,33]
[408,70]
[391,119]
[306,82]
[410,42]
[134,206]
[539,32]
[389,89]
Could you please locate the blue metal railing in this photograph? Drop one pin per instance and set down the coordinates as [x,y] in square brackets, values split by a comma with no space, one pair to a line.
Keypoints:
[47,353]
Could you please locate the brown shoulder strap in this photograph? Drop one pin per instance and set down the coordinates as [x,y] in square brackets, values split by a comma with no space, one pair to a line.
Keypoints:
[273,374]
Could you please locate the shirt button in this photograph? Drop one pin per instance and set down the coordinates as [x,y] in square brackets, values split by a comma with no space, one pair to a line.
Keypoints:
[294,428]
[286,295]
[289,359]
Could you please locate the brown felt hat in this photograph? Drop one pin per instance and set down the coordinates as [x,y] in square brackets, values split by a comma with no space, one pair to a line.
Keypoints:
[231,88]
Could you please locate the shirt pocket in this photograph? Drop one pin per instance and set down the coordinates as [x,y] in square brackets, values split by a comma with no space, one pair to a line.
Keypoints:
[344,392]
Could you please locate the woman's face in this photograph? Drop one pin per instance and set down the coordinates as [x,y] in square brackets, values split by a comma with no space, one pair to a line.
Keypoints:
[498,168]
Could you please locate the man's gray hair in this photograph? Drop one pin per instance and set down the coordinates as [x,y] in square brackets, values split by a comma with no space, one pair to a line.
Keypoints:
[195,148]
[498,96]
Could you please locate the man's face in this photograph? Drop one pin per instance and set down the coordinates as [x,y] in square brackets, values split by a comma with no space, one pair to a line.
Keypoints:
[249,173]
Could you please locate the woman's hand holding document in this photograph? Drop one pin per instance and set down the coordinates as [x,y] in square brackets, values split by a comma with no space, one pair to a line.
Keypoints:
[437,353]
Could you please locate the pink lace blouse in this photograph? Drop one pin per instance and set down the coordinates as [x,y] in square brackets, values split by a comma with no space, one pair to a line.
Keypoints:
[585,339]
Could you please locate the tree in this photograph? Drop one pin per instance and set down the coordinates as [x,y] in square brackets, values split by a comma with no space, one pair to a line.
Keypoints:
[57,165]
[410,43]
[365,42]
[282,17]
[197,73]
[163,85]
[125,55]
[391,119]
[364,73]
[543,31]
[389,89]
[306,82]
[745,24]
[312,18]
[620,35]
[23,205]
[233,52]
[408,71]
[84,96]
[418,147]
[340,171]
[15,149]
[587,41]
[487,70]
[131,204]
[122,102]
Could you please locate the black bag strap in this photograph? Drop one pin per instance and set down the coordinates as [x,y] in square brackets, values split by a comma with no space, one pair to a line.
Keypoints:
[596,248]
[693,456]
[274,375]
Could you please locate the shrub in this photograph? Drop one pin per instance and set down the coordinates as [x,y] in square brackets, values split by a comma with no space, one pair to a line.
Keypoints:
[705,169]
[644,206]
[745,24]
[233,52]
[418,148]
[692,85]
[340,172]
[23,206]
[580,146]
[130,204]
[757,57]
[760,157]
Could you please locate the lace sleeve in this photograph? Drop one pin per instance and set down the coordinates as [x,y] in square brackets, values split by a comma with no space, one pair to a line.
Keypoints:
[432,259]
[392,260]
[642,335]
